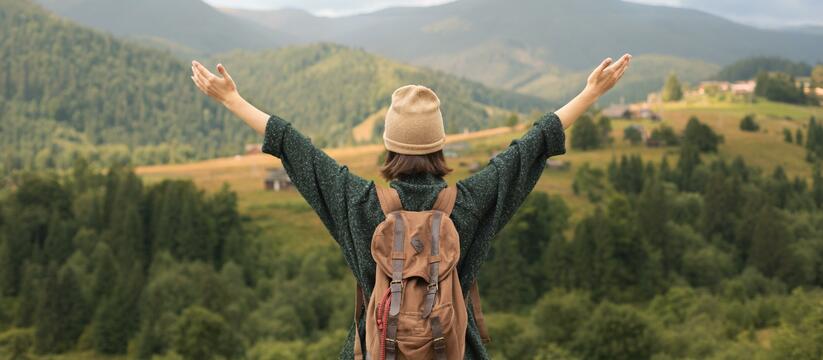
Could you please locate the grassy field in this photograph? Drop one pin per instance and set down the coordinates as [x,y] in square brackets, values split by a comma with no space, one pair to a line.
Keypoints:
[765,149]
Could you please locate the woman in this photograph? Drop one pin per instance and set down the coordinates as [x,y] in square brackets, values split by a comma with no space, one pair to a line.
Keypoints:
[348,205]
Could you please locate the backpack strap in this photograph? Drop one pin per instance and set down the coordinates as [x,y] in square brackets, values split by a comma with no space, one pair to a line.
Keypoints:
[389,200]
[396,285]
[360,302]
[445,200]
[474,297]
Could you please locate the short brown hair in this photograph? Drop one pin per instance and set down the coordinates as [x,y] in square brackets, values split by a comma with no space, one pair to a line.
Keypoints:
[398,165]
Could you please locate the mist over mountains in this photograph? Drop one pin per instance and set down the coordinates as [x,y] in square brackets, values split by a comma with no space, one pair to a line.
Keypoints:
[536,47]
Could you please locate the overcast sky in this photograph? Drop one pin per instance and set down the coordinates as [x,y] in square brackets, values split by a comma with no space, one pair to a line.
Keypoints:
[766,13]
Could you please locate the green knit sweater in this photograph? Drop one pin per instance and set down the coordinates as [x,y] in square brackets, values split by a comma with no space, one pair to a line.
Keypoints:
[348,205]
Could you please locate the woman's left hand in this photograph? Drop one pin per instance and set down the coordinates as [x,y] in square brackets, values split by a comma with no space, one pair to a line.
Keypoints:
[221,88]
[605,76]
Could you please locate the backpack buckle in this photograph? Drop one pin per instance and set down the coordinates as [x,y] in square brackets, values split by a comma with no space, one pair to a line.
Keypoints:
[433,288]
[396,286]
[439,343]
[391,345]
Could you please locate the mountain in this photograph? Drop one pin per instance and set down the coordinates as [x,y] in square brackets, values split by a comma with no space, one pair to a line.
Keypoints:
[67,91]
[749,68]
[185,26]
[513,44]
[329,89]
[805,29]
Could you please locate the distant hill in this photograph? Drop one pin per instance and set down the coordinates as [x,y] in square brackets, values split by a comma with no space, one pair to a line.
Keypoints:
[328,89]
[516,44]
[68,91]
[187,26]
[806,29]
[747,69]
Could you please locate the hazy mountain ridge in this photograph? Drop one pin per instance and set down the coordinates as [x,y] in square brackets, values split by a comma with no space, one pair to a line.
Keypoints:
[191,24]
[517,44]
[68,91]
[352,84]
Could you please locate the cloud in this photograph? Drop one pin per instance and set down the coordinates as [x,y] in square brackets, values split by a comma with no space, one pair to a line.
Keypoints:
[768,13]
[325,7]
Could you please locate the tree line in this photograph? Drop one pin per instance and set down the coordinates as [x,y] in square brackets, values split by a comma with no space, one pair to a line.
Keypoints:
[680,259]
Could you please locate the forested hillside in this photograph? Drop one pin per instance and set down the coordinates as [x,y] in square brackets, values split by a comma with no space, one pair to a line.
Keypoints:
[69,92]
[694,256]
[747,69]
[328,89]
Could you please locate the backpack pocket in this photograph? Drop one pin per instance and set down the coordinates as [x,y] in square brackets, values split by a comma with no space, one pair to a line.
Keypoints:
[415,338]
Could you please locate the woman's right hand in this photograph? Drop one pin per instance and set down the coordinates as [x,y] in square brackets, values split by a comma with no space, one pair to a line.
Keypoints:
[221,88]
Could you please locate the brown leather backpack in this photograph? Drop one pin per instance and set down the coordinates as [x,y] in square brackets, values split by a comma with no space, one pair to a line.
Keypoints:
[416,310]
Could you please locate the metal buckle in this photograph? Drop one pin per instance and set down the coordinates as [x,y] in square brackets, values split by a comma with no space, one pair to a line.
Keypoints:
[391,344]
[439,343]
[396,286]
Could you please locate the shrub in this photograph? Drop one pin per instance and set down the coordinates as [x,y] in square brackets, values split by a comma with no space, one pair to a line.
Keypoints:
[616,332]
[748,124]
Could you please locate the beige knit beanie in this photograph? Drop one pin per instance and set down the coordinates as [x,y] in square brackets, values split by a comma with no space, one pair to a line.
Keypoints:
[414,125]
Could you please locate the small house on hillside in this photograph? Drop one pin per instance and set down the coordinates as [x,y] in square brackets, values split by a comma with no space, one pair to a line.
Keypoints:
[456,149]
[646,113]
[744,87]
[277,180]
[640,111]
[618,112]
[558,165]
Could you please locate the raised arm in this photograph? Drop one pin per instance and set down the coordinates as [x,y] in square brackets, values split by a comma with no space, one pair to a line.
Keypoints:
[499,189]
[326,185]
[224,90]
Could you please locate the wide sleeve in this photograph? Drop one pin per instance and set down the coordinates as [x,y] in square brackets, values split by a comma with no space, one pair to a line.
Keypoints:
[327,186]
[494,193]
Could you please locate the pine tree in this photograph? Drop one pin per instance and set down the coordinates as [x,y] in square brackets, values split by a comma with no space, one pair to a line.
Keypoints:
[817,186]
[586,135]
[653,215]
[106,272]
[605,125]
[672,90]
[57,245]
[723,198]
[689,160]
[798,137]
[817,76]
[117,318]
[62,312]
[30,294]
[769,251]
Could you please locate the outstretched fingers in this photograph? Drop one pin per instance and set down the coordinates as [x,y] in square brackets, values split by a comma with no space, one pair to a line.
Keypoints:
[223,72]
[202,71]
[200,85]
[625,66]
[603,65]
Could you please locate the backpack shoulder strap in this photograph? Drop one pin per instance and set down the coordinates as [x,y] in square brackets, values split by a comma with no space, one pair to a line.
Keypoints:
[445,200]
[474,297]
[389,200]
